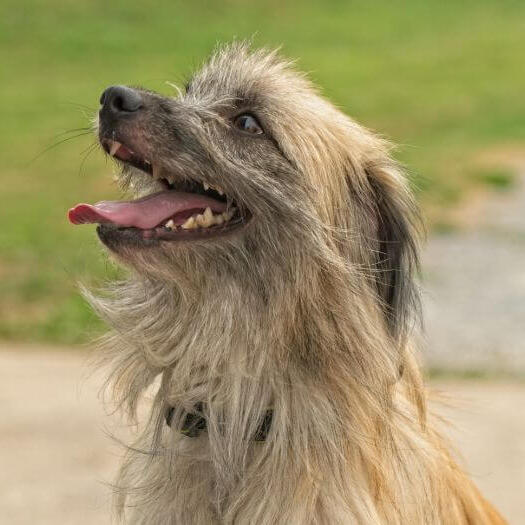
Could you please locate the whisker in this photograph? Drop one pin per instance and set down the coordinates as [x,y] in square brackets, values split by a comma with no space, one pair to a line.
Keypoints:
[73,130]
[81,106]
[53,146]
[88,151]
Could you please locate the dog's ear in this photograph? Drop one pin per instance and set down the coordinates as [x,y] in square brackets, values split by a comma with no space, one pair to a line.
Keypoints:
[396,261]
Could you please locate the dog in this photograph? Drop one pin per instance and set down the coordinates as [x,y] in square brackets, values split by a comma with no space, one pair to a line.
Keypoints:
[272,251]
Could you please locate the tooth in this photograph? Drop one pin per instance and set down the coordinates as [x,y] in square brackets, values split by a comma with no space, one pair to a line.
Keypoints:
[228,214]
[146,161]
[156,172]
[220,192]
[200,220]
[208,217]
[206,186]
[219,219]
[170,224]
[114,147]
[190,223]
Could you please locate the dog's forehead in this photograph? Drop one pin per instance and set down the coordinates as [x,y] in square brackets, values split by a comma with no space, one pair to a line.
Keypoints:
[234,73]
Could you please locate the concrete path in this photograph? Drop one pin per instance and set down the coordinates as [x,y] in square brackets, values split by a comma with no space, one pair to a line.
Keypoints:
[56,460]
[475,288]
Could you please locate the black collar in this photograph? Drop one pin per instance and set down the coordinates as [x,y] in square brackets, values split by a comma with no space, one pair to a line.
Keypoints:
[195,422]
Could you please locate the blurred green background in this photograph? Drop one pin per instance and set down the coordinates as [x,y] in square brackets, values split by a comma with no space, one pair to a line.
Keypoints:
[445,80]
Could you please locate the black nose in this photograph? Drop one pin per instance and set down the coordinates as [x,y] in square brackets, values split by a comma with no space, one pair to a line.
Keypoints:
[120,100]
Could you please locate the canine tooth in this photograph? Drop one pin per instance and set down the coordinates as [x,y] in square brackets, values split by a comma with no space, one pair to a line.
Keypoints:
[208,216]
[114,148]
[190,223]
[220,192]
[205,186]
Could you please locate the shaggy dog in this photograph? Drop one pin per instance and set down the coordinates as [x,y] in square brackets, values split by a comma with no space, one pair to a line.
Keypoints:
[272,255]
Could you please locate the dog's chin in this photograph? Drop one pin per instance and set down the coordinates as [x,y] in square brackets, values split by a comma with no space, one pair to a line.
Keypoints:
[167,255]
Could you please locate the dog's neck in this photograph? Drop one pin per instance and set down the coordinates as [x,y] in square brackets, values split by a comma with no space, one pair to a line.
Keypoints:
[250,327]
[325,369]
[224,335]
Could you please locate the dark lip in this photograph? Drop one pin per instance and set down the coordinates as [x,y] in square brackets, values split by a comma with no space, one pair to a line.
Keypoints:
[111,234]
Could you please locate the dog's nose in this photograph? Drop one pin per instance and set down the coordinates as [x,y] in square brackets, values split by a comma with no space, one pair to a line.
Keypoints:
[120,101]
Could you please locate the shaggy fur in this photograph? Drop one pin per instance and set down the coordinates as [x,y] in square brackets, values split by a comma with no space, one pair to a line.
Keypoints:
[310,310]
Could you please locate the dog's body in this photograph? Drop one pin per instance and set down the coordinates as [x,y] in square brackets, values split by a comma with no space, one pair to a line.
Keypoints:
[303,312]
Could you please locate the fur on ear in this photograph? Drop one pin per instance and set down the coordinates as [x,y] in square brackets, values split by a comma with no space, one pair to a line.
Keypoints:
[398,227]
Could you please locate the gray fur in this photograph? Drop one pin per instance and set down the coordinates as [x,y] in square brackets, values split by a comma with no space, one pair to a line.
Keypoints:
[309,310]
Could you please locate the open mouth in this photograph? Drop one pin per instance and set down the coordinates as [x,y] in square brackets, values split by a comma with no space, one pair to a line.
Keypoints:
[184,210]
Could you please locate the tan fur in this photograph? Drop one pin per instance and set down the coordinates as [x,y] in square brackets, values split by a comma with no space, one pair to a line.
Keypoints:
[310,311]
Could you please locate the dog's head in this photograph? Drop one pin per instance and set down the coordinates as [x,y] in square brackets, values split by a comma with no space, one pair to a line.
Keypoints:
[249,176]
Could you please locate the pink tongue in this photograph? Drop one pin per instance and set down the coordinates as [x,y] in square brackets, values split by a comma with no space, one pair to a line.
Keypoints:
[144,213]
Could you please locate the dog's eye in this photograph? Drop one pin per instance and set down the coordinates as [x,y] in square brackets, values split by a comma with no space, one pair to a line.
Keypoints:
[248,123]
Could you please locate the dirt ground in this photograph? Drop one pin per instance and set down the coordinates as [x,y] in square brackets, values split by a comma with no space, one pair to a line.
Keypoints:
[56,459]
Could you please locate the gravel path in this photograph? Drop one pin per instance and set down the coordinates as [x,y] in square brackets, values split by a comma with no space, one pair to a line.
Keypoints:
[56,459]
[475,289]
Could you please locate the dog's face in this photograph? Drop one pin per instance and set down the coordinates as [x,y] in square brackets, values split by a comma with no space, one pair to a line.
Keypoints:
[248,172]
[230,143]
[214,160]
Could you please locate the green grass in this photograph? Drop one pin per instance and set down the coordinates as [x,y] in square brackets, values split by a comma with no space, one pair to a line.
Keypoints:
[476,375]
[443,79]
[499,179]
